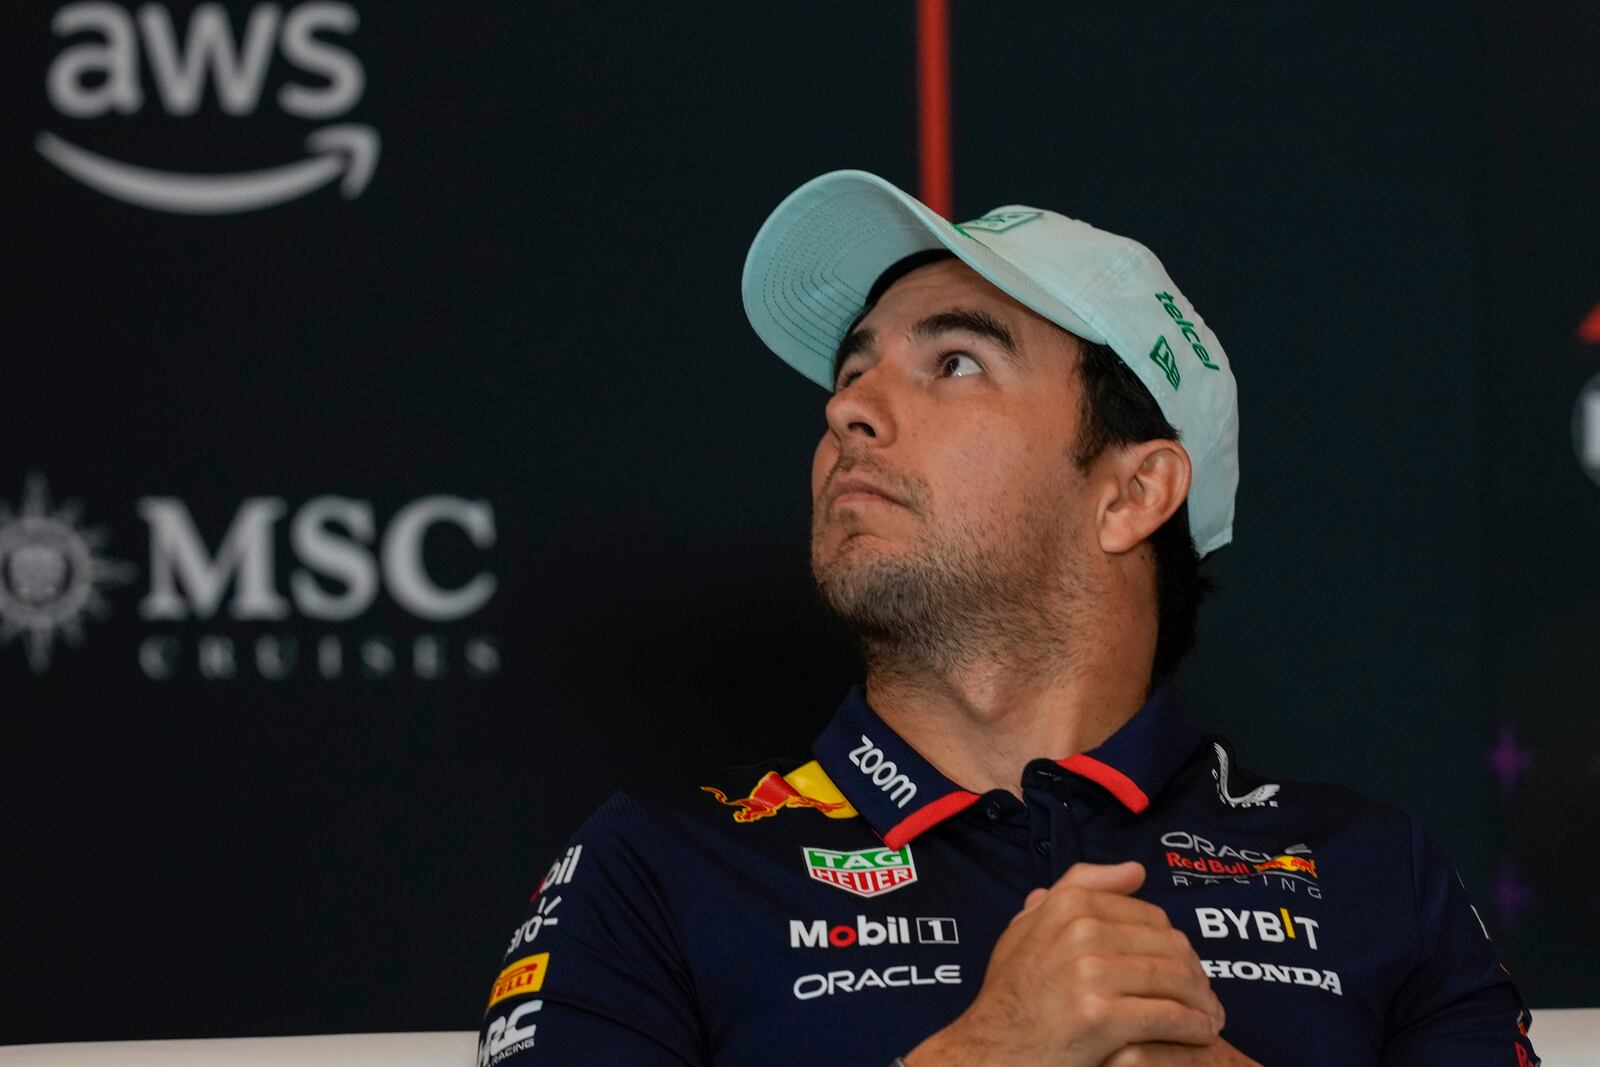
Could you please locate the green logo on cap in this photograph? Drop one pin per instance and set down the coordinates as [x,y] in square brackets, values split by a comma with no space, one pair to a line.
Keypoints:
[1161,356]
[1189,332]
[999,221]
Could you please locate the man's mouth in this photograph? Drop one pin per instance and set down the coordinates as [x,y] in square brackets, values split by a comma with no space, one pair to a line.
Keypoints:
[856,490]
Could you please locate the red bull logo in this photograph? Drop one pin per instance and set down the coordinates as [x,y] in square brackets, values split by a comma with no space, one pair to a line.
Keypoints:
[771,795]
[1289,864]
[1193,860]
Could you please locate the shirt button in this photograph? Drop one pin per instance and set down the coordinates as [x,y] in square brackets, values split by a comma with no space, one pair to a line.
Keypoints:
[1042,847]
[992,811]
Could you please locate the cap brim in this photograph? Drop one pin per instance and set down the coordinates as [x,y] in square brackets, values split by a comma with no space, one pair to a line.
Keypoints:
[812,263]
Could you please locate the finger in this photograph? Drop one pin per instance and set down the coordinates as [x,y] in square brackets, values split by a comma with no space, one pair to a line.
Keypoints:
[1146,1019]
[1066,902]
[1105,877]
[1152,1054]
[1155,978]
[1089,935]
[1034,899]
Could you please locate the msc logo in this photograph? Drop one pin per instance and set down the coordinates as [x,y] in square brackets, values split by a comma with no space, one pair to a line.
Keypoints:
[100,72]
[51,573]
[330,537]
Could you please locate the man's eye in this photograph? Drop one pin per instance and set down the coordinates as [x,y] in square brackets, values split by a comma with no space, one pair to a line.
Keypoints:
[845,379]
[958,365]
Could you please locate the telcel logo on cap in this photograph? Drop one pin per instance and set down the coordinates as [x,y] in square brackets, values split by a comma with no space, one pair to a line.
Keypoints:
[1170,304]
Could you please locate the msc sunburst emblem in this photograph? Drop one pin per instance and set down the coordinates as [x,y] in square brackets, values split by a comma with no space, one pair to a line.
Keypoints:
[50,573]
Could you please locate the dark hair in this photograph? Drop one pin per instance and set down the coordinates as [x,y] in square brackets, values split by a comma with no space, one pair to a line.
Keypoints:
[1117,410]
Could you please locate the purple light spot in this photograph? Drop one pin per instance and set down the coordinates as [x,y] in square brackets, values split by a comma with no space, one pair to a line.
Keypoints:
[1508,759]
[1511,895]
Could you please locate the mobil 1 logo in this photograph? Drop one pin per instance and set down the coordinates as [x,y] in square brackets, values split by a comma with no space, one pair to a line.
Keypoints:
[891,930]
[164,68]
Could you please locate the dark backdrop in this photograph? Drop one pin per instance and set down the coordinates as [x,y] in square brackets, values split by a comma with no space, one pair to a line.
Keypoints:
[273,811]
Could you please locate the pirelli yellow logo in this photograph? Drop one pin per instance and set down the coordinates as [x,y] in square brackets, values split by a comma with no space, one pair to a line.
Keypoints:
[520,976]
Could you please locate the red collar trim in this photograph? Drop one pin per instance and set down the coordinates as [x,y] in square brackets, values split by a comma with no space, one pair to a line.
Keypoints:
[935,812]
[928,816]
[1109,778]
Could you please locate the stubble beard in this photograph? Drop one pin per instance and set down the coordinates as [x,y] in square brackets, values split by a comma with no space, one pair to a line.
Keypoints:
[960,595]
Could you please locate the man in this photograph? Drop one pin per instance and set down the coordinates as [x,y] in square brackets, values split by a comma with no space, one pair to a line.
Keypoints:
[1009,848]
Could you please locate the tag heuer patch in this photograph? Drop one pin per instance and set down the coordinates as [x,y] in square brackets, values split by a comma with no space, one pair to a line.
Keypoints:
[869,872]
[999,221]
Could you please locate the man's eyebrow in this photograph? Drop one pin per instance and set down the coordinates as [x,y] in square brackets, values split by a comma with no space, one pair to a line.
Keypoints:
[855,341]
[969,320]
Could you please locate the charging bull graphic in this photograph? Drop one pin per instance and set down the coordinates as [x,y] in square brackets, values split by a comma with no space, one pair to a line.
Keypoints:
[772,794]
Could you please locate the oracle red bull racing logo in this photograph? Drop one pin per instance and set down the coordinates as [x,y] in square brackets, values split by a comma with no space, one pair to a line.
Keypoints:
[1195,860]
[771,795]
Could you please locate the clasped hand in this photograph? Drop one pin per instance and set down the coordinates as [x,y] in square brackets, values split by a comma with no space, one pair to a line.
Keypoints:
[1086,975]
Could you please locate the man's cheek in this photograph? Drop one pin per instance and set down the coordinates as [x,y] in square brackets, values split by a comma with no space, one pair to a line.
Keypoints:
[822,461]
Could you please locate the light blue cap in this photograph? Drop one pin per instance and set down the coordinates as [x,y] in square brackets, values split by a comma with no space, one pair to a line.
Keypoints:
[813,261]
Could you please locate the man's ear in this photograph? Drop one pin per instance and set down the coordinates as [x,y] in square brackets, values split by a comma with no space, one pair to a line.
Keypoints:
[1145,483]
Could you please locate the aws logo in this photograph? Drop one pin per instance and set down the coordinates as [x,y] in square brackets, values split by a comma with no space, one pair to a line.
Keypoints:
[120,62]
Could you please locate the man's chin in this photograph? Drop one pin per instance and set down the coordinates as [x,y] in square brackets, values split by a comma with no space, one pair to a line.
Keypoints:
[862,581]
[857,544]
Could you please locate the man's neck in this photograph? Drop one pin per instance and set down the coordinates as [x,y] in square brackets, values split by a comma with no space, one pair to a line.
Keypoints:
[981,721]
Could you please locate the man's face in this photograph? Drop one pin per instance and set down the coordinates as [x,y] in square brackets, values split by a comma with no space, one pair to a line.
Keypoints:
[944,491]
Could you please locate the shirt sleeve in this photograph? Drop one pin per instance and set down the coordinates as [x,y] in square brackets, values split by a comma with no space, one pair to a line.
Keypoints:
[594,972]
[1458,1006]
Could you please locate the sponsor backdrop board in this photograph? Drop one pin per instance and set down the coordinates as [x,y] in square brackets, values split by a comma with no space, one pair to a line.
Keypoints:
[393,475]
[1541,449]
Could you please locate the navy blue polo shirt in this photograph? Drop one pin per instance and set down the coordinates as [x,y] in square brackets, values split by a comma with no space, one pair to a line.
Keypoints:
[840,910]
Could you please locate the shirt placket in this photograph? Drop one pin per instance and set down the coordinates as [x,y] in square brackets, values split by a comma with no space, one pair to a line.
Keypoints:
[1055,844]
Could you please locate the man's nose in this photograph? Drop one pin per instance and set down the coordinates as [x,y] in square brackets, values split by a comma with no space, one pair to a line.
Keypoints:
[862,412]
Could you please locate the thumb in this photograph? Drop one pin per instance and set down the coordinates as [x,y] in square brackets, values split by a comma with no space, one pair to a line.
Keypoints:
[1121,878]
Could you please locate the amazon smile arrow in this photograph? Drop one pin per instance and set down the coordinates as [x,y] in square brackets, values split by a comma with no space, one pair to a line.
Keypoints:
[347,150]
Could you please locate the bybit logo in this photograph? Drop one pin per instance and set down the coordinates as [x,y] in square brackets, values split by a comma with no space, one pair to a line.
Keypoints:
[98,73]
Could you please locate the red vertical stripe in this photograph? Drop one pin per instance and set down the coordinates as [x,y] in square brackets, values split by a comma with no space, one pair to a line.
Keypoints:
[933,104]
[1589,328]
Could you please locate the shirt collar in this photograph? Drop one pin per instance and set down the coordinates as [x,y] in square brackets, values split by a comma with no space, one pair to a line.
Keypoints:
[901,794]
